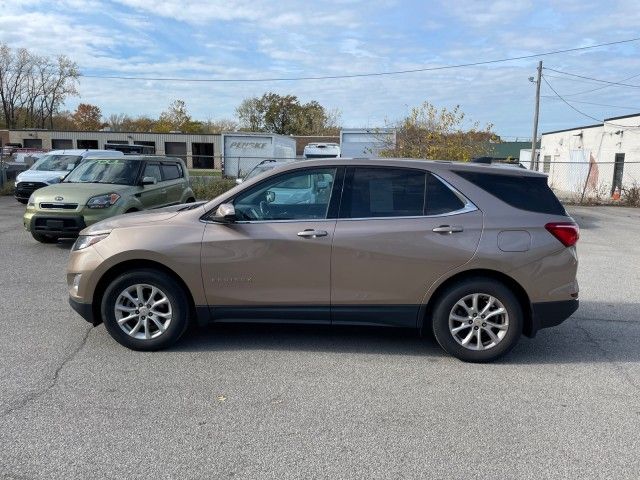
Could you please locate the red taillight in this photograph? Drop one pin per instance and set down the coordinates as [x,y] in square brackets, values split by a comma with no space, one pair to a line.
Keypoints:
[568,233]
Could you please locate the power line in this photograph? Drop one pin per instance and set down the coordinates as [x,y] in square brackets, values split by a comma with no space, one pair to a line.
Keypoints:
[568,104]
[581,112]
[637,109]
[591,78]
[600,88]
[358,75]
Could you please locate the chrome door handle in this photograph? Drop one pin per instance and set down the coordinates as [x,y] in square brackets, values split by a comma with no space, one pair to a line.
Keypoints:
[310,233]
[448,229]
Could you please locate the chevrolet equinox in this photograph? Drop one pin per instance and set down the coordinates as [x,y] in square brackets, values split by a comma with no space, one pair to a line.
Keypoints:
[479,254]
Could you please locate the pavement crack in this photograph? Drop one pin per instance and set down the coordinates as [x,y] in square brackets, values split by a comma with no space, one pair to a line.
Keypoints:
[603,351]
[52,381]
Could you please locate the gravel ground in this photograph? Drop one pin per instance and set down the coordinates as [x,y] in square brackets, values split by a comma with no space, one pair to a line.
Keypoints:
[296,402]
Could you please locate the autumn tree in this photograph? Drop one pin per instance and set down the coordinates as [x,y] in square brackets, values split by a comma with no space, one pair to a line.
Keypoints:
[177,118]
[87,117]
[284,114]
[442,134]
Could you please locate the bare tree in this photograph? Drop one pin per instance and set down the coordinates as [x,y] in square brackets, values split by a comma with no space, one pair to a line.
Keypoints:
[117,121]
[32,88]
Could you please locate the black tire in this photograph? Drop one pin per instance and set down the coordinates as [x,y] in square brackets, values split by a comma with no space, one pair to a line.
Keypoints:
[456,292]
[155,278]
[43,238]
[22,201]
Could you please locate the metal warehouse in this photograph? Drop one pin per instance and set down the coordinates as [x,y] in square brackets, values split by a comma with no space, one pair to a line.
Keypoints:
[197,150]
[600,159]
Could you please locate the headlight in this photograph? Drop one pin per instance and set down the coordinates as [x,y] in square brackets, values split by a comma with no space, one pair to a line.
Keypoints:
[103,201]
[84,241]
[31,202]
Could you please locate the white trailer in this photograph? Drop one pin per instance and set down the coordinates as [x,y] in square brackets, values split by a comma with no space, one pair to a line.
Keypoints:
[241,152]
[366,142]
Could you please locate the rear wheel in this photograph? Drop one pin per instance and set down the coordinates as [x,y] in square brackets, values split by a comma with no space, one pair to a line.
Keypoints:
[477,320]
[145,309]
[43,238]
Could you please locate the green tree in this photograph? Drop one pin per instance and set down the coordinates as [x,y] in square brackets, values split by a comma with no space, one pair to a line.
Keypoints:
[439,134]
[284,114]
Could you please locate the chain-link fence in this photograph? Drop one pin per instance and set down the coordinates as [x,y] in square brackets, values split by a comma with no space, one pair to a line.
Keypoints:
[581,180]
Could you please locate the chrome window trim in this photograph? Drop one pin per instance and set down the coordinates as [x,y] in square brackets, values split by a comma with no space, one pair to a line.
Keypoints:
[468,207]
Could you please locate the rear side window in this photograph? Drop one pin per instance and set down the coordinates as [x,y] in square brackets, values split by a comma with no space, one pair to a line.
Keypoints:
[383,192]
[171,171]
[440,198]
[527,193]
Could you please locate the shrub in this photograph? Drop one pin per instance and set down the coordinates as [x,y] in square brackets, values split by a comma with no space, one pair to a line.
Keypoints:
[209,190]
[7,188]
[631,195]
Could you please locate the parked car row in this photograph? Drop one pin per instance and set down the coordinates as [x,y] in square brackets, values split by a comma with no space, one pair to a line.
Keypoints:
[66,191]
[477,254]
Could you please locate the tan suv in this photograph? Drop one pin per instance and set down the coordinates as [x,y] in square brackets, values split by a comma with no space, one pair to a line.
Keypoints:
[480,254]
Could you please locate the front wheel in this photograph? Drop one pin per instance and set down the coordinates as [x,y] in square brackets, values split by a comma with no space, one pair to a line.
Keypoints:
[22,201]
[145,309]
[477,320]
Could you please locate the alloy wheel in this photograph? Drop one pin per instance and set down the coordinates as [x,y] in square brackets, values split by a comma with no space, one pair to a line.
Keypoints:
[478,321]
[143,311]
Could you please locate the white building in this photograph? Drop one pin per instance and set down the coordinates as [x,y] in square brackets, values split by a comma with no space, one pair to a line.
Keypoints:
[599,160]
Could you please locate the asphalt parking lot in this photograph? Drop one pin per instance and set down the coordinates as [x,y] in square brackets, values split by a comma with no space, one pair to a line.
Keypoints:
[294,402]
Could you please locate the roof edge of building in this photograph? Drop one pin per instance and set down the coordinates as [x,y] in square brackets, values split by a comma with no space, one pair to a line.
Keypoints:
[574,128]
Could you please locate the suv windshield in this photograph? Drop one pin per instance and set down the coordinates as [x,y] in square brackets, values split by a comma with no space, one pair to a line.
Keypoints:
[119,171]
[56,163]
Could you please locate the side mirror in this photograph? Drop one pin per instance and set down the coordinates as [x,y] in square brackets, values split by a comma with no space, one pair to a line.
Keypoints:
[239,181]
[149,181]
[226,213]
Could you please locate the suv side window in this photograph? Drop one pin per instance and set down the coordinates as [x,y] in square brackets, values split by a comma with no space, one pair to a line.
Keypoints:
[153,170]
[171,171]
[440,198]
[299,195]
[383,192]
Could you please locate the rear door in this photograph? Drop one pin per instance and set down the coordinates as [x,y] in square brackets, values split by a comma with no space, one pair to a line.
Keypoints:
[153,196]
[398,231]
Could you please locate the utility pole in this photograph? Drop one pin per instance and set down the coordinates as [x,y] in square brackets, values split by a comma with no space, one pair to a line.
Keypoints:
[534,158]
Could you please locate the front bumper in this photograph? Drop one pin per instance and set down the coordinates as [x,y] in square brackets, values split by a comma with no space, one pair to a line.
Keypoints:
[84,309]
[551,314]
[24,189]
[59,226]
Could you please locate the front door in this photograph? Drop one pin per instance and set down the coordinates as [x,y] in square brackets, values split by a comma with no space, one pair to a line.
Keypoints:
[273,263]
[399,231]
[153,195]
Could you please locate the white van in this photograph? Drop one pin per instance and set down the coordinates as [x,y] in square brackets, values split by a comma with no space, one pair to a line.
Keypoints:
[52,167]
[322,150]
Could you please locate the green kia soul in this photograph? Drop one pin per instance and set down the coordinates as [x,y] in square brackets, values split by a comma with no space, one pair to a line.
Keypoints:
[104,187]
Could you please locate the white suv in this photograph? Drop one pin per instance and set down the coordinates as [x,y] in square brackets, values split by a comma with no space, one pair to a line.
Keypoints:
[52,168]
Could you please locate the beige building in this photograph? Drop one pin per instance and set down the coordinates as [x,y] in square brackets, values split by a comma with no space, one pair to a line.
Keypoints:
[599,159]
[197,150]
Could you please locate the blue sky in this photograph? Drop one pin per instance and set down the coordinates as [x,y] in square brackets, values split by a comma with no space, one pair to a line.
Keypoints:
[252,39]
